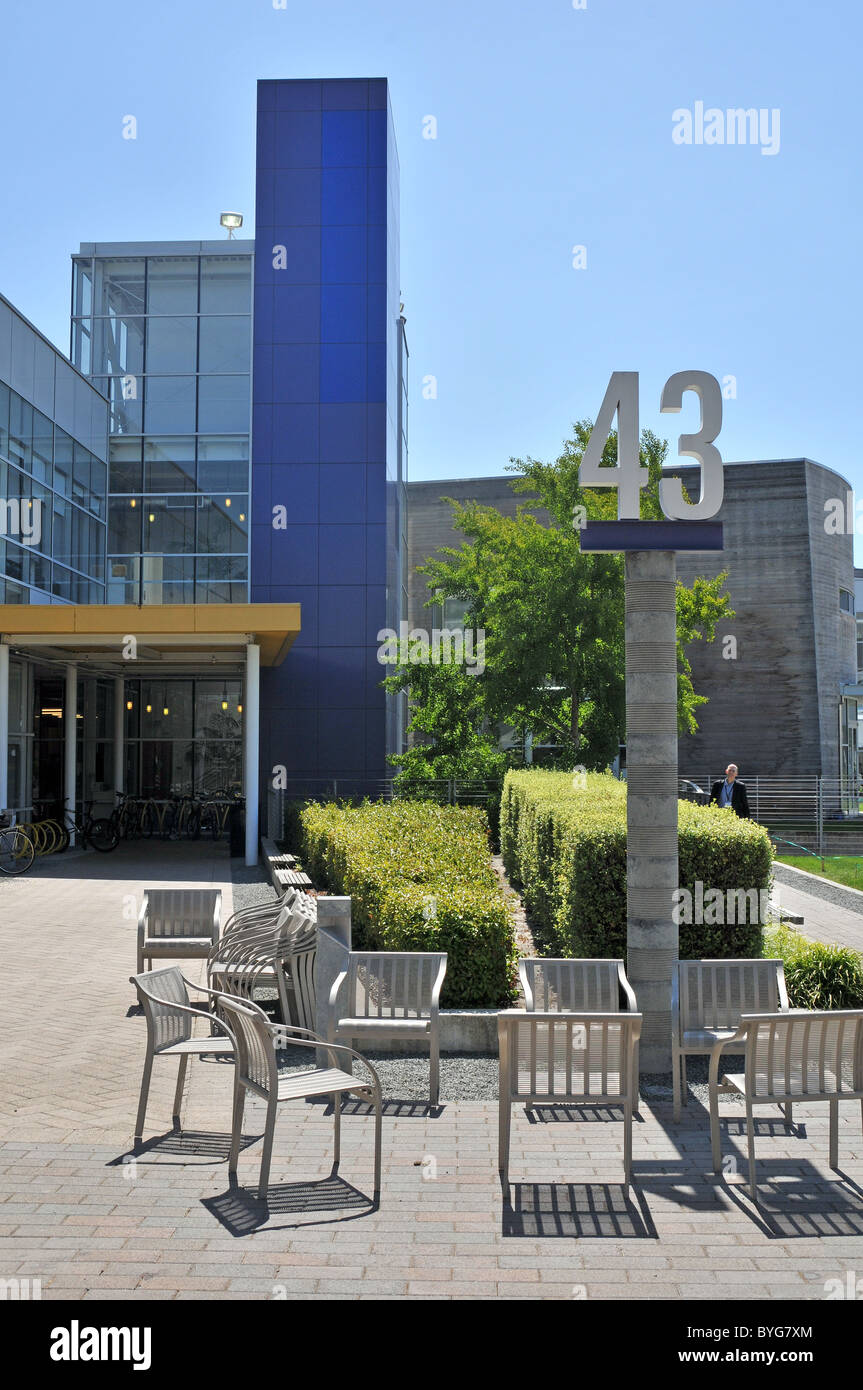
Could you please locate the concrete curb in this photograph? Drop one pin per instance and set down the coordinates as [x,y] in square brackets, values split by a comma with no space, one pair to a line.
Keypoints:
[849,898]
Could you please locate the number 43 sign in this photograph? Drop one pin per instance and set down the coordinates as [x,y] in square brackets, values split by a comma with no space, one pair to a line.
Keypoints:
[629,476]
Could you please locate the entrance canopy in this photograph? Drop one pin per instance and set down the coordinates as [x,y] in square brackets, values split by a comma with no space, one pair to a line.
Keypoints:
[180,634]
[120,640]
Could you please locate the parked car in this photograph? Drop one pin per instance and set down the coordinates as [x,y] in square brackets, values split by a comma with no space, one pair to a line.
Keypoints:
[687,790]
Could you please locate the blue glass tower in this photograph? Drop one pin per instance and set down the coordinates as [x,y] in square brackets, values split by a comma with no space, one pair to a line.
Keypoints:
[328,433]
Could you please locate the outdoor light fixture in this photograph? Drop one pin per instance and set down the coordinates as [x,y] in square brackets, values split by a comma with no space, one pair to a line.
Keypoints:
[129,704]
[152,516]
[149,709]
[242,516]
[132,502]
[227,501]
[165,710]
[232,221]
[239,709]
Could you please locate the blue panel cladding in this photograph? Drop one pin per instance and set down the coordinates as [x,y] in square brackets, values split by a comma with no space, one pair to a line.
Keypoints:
[324,405]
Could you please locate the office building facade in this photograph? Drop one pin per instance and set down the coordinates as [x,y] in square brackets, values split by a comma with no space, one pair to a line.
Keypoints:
[246,459]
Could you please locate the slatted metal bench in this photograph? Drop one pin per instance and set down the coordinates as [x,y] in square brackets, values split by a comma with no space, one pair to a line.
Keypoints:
[708,999]
[292,878]
[792,1056]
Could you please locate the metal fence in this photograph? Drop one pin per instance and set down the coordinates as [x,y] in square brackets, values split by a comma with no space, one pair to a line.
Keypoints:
[791,807]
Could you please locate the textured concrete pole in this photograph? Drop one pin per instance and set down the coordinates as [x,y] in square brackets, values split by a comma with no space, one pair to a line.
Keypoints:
[651,807]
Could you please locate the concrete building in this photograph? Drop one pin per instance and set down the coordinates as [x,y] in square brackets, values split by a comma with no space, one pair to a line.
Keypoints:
[783,693]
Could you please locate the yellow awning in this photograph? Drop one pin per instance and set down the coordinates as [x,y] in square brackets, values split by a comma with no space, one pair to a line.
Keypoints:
[171,633]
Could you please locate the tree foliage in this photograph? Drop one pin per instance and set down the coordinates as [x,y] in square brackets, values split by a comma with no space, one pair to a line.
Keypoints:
[553,618]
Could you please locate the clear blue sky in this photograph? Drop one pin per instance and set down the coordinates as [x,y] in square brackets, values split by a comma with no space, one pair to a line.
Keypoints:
[554,129]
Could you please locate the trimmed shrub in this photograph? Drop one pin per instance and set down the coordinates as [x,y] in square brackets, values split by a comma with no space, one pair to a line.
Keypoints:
[563,841]
[818,976]
[420,878]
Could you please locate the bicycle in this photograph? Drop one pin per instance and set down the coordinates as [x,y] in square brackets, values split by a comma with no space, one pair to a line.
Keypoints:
[17,851]
[91,830]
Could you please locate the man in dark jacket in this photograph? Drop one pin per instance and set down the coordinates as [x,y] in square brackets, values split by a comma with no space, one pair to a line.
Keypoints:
[731,793]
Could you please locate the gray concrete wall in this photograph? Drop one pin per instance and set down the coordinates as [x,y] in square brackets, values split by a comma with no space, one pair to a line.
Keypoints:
[430,526]
[835,632]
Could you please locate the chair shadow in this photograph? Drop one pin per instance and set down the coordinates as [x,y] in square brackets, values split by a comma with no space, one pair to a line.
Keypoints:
[800,1207]
[391,1106]
[185,1144]
[242,1212]
[549,1113]
[583,1210]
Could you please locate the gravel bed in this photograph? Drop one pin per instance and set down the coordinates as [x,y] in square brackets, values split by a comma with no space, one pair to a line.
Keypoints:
[469,1077]
[251,886]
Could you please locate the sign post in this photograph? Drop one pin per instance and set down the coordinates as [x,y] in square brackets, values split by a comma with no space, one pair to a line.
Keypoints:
[649,549]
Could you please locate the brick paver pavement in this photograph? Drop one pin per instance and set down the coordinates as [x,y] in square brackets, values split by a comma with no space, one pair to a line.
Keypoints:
[90,1225]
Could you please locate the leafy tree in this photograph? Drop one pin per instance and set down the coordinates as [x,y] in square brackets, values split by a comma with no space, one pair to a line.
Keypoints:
[447,707]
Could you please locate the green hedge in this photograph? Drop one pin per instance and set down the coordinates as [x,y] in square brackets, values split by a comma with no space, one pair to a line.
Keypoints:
[420,878]
[564,845]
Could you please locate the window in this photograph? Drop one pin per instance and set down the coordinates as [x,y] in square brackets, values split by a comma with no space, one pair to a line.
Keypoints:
[169,525]
[226,284]
[20,432]
[846,601]
[124,525]
[172,285]
[225,344]
[223,464]
[170,406]
[119,287]
[126,396]
[126,469]
[43,447]
[169,464]
[223,525]
[118,346]
[223,405]
[172,344]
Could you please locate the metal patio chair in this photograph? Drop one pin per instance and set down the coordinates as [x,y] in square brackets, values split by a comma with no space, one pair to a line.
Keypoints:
[178,922]
[164,998]
[797,1054]
[708,999]
[388,995]
[564,1059]
[257,1071]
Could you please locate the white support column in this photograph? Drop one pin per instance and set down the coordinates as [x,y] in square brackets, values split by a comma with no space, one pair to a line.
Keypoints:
[119,734]
[251,748]
[4,725]
[70,736]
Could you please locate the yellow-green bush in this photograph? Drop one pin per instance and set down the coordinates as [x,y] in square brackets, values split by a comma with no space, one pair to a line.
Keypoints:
[563,841]
[420,878]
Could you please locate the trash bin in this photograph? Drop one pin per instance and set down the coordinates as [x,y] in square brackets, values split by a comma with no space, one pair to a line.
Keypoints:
[237,831]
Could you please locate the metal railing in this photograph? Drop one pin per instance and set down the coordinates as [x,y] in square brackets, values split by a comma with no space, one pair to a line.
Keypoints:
[789,807]
[794,806]
[447,791]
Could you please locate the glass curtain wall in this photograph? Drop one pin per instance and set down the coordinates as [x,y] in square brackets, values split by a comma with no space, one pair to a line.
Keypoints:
[59,490]
[184,736]
[168,340]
